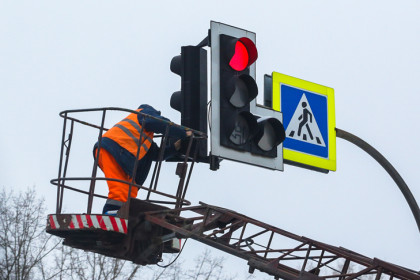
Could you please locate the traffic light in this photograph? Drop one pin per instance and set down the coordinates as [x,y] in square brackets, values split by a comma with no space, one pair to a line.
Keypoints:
[191,100]
[237,90]
[239,130]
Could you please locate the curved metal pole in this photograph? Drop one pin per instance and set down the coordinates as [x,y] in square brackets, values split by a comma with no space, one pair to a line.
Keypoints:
[388,167]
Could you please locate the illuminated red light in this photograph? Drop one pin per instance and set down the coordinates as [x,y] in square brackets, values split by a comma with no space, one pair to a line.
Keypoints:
[245,54]
[240,59]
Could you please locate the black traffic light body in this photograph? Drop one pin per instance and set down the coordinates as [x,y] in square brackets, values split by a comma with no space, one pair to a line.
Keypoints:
[191,100]
[237,90]
[240,130]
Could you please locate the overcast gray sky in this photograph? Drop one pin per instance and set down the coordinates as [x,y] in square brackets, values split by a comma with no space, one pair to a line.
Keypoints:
[57,55]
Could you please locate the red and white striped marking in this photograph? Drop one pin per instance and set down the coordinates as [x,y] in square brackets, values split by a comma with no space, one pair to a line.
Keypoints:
[108,223]
[176,244]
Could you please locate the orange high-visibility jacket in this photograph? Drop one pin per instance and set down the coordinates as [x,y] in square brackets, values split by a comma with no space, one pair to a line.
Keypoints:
[127,133]
[122,141]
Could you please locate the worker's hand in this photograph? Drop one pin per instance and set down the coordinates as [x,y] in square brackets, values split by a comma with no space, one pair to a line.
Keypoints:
[189,133]
[177,145]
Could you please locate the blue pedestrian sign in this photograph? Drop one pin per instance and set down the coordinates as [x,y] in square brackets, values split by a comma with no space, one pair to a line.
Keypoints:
[309,121]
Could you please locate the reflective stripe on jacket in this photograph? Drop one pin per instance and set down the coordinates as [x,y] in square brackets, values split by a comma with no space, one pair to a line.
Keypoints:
[127,134]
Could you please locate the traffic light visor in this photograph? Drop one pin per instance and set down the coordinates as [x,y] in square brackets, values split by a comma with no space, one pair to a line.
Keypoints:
[176,101]
[244,55]
[176,64]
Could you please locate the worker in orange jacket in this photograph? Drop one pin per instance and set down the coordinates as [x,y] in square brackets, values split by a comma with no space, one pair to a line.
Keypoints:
[119,148]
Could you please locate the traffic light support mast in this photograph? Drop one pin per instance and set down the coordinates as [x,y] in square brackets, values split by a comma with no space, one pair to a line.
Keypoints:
[388,167]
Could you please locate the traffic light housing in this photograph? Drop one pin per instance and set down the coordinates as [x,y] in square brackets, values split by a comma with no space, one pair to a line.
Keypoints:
[237,90]
[239,130]
[191,100]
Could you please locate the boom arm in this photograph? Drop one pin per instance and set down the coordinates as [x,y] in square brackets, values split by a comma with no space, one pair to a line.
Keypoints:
[272,250]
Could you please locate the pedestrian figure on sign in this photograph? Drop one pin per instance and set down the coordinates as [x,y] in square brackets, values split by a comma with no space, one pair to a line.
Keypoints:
[304,120]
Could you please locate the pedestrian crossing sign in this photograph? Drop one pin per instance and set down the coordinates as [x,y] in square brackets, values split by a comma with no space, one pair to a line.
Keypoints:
[309,120]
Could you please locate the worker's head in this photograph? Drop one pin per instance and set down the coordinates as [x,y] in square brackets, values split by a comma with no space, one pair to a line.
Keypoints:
[149,110]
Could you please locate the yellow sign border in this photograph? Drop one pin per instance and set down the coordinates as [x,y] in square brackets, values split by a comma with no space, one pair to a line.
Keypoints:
[299,157]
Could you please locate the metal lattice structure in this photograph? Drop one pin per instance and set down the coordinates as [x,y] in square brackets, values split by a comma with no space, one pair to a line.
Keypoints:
[273,250]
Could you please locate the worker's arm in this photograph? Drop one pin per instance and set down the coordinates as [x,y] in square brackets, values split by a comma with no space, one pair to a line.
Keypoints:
[171,150]
[172,147]
[158,126]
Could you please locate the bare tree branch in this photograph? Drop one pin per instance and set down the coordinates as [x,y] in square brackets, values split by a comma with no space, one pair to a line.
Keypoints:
[24,245]
[28,252]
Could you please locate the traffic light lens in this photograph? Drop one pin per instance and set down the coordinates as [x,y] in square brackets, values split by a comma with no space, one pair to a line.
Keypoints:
[267,141]
[271,134]
[240,58]
[243,91]
[244,128]
[240,96]
[240,133]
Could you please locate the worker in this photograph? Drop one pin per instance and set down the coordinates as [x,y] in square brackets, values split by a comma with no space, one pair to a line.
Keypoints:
[119,148]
